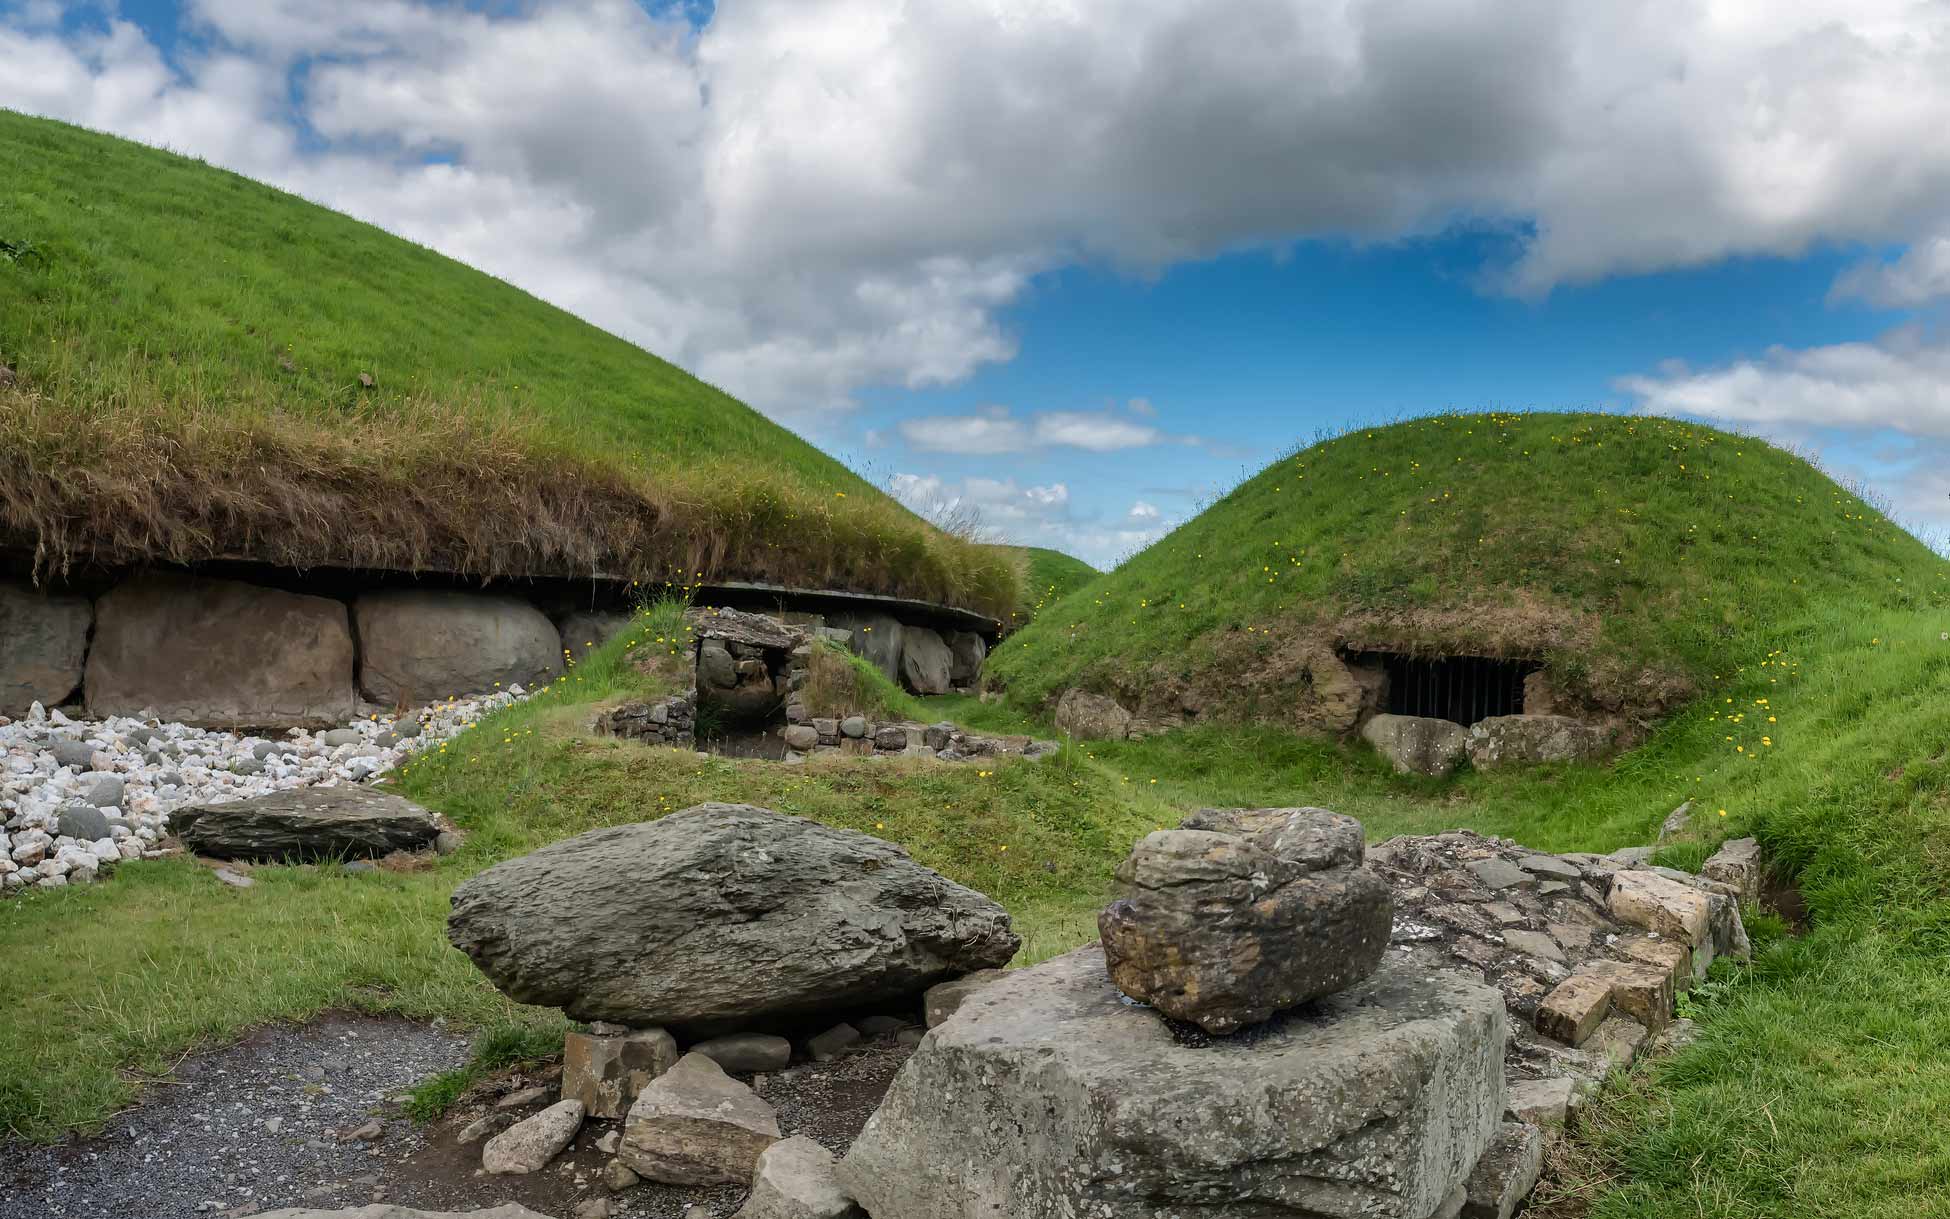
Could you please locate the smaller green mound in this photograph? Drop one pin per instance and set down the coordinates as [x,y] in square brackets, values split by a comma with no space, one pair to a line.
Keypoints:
[1052,576]
[1627,555]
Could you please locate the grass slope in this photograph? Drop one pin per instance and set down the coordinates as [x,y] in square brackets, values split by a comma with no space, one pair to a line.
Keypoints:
[187,347]
[1632,554]
[1051,576]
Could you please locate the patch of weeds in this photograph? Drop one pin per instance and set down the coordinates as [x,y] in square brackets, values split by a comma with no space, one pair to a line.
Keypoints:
[1685,856]
[496,1049]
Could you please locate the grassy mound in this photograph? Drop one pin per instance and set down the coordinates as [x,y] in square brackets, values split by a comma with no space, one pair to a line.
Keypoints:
[1051,576]
[1631,555]
[202,366]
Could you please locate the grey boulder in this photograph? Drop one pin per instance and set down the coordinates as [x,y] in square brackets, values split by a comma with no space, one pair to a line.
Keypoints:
[721,918]
[43,641]
[1247,913]
[1417,744]
[1048,1094]
[747,1052]
[876,638]
[969,650]
[83,821]
[797,1179]
[927,666]
[420,646]
[1091,717]
[695,1125]
[307,823]
[1528,740]
[219,654]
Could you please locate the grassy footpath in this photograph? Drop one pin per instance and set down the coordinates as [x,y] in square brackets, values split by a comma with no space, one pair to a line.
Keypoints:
[1818,1088]
[175,328]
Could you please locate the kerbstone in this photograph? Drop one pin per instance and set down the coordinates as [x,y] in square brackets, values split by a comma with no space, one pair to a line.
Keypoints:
[1048,1094]
[220,654]
[1417,744]
[420,646]
[43,641]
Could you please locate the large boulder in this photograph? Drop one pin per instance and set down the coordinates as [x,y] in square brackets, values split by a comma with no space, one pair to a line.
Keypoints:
[220,654]
[970,651]
[1049,1094]
[1527,740]
[1091,717]
[43,641]
[1248,913]
[417,646]
[1417,744]
[720,918]
[307,823]
[927,666]
[876,637]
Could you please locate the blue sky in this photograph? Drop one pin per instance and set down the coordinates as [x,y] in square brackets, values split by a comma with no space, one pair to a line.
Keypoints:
[1074,267]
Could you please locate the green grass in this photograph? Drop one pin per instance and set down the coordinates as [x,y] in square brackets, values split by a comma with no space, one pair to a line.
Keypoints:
[175,328]
[1614,548]
[1050,576]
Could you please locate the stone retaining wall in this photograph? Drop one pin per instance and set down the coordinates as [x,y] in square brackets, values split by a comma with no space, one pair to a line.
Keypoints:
[227,653]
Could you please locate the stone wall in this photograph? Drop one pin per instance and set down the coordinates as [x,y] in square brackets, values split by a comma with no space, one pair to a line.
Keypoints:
[219,652]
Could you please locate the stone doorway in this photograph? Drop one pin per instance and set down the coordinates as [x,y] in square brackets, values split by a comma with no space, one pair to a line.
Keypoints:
[1461,689]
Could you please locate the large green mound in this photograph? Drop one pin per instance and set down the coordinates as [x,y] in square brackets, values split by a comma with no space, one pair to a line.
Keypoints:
[204,367]
[1051,576]
[1630,555]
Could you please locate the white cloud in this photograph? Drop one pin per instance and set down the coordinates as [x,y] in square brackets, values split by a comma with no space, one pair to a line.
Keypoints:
[808,196]
[1902,381]
[1141,511]
[1921,275]
[994,430]
[1007,511]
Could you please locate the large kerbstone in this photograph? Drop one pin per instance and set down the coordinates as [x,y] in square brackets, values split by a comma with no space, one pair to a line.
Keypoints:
[970,651]
[1527,740]
[43,640]
[1417,744]
[1091,717]
[1049,1094]
[927,666]
[723,917]
[876,637]
[220,653]
[1245,914]
[420,646]
[307,823]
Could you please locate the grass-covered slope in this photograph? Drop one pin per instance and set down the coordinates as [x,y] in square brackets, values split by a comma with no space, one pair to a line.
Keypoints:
[1632,554]
[1051,576]
[187,350]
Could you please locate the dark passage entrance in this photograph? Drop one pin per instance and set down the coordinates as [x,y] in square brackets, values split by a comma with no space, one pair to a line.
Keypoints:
[1460,688]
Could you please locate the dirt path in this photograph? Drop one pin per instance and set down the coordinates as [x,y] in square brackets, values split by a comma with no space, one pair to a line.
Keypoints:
[263,1124]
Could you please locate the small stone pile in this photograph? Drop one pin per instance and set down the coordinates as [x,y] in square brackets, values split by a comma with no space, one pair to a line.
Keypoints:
[1242,1046]
[859,736]
[1588,951]
[79,796]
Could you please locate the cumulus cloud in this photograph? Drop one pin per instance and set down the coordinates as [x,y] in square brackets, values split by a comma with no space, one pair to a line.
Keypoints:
[807,196]
[1004,510]
[1920,275]
[995,430]
[1901,381]
[1142,511]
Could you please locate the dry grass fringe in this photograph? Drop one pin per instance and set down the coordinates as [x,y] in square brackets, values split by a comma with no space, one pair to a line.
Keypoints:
[421,486]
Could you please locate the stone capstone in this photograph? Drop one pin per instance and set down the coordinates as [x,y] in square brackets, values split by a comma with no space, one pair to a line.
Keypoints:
[606,1072]
[721,917]
[420,646]
[927,665]
[43,641]
[1417,744]
[1049,1094]
[528,1145]
[307,823]
[1528,740]
[798,1179]
[695,1125]
[1266,909]
[219,654]
[1091,717]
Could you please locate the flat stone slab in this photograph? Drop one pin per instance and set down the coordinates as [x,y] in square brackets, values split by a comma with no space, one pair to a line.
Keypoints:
[307,824]
[1049,1093]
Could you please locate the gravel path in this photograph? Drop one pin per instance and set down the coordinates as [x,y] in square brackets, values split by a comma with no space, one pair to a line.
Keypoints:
[247,1128]
[270,1122]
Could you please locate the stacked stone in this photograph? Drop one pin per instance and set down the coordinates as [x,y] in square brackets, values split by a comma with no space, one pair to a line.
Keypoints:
[860,736]
[1274,1062]
[671,720]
